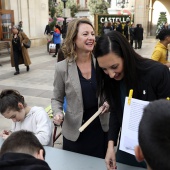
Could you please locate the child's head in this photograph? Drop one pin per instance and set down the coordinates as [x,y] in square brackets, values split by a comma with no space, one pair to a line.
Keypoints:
[154,135]
[57,30]
[23,142]
[12,105]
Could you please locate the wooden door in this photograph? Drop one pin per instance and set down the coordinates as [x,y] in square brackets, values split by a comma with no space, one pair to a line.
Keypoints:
[6,23]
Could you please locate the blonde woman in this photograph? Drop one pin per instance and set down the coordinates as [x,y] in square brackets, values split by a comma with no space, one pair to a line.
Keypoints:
[75,79]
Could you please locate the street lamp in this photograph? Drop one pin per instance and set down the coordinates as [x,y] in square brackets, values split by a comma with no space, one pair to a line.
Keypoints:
[64,30]
[132,12]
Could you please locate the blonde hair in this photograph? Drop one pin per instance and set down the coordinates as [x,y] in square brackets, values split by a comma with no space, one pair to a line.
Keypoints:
[68,47]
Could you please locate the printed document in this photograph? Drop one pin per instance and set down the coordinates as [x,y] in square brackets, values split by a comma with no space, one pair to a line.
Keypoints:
[131,119]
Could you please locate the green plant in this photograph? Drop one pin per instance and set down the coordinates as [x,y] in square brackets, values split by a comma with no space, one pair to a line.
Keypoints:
[53,11]
[161,21]
[52,8]
[98,7]
[69,4]
[53,23]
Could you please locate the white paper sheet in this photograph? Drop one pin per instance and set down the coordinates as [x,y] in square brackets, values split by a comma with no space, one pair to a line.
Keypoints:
[131,118]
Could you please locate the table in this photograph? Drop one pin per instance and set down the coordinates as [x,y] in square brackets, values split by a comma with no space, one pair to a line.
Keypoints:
[59,159]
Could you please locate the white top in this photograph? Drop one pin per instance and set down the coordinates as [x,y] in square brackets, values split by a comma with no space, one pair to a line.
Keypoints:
[38,122]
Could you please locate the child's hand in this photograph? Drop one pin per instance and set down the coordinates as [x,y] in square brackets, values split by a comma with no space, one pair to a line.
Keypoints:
[4,136]
[5,132]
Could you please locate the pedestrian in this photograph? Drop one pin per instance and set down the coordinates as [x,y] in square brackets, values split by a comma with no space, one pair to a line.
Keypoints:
[34,119]
[154,135]
[47,32]
[75,80]
[165,26]
[119,26]
[160,52]
[120,69]
[127,30]
[22,150]
[138,36]
[132,34]
[107,27]
[57,38]
[19,53]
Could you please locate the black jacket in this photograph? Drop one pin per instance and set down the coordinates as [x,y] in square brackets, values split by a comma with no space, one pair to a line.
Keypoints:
[138,33]
[20,161]
[47,29]
[153,84]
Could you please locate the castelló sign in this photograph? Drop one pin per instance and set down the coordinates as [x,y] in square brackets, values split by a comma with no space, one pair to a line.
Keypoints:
[99,21]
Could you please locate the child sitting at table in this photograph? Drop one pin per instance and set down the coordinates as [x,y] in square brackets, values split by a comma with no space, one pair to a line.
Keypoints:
[22,150]
[154,136]
[34,119]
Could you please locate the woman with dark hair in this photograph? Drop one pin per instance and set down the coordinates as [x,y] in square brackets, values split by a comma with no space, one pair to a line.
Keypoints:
[19,53]
[161,49]
[120,69]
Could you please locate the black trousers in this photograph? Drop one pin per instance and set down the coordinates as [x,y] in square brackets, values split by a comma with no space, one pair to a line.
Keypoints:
[138,44]
[57,47]
[17,55]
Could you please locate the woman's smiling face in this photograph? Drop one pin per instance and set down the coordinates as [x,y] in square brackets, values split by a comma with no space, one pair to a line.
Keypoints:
[112,65]
[85,38]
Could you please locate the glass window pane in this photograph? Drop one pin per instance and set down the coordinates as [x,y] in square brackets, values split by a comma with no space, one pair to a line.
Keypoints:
[6,16]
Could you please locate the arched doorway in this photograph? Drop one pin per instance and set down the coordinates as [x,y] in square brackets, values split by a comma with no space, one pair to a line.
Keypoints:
[157,6]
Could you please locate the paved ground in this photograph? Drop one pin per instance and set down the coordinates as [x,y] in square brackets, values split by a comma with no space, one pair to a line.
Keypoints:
[37,84]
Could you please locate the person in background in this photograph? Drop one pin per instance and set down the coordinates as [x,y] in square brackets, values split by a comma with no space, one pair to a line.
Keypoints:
[138,36]
[58,26]
[57,38]
[112,26]
[160,52]
[154,135]
[107,27]
[35,119]
[22,150]
[75,80]
[47,32]
[132,28]
[165,26]
[19,54]
[127,30]
[119,26]
[119,69]
[20,26]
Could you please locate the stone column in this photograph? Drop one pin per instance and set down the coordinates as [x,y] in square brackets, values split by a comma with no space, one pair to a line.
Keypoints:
[142,14]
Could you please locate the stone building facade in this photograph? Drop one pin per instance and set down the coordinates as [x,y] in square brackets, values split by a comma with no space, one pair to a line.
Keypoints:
[33,13]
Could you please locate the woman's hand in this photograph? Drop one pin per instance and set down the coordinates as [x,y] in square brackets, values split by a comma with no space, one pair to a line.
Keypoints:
[105,107]
[110,158]
[58,119]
